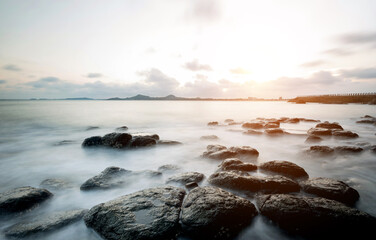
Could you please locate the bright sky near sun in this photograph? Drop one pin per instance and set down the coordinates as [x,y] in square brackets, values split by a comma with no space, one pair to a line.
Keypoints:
[204,48]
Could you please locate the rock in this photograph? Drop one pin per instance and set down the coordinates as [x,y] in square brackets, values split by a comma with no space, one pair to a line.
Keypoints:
[122,128]
[215,148]
[331,189]
[209,137]
[254,125]
[285,168]
[191,185]
[274,131]
[187,177]
[367,121]
[245,151]
[237,165]
[316,218]
[319,132]
[373,148]
[222,154]
[308,120]
[215,214]
[117,140]
[328,125]
[148,214]
[313,139]
[321,150]
[253,132]
[142,142]
[92,142]
[272,125]
[344,134]
[368,116]
[168,142]
[270,184]
[168,167]
[64,142]
[109,178]
[55,184]
[91,128]
[22,198]
[234,123]
[213,124]
[348,149]
[149,135]
[293,120]
[44,223]
[229,120]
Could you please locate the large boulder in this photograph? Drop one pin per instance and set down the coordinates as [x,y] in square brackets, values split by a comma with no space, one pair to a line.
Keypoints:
[187,177]
[142,142]
[213,213]
[316,218]
[269,184]
[148,214]
[245,151]
[44,224]
[122,140]
[235,164]
[331,189]
[285,168]
[329,125]
[117,140]
[22,198]
[92,142]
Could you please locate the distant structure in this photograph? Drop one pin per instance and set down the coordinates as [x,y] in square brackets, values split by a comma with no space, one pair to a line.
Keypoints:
[363,98]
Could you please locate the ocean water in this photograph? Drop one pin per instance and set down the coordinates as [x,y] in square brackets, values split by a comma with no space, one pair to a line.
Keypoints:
[30,133]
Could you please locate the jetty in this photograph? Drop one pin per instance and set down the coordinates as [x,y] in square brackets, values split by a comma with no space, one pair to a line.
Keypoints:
[362,98]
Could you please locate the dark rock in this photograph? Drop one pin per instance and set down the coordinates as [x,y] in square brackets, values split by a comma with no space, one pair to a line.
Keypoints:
[331,189]
[209,137]
[321,150]
[308,120]
[92,142]
[292,120]
[168,142]
[237,165]
[366,121]
[313,139]
[368,116]
[91,128]
[270,184]
[274,131]
[122,128]
[55,184]
[348,149]
[373,148]
[191,185]
[272,125]
[285,168]
[187,177]
[345,134]
[149,135]
[245,151]
[44,223]
[117,140]
[213,124]
[22,198]
[328,125]
[319,132]
[168,167]
[148,214]
[109,178]
[142,142]
[316,218]
[254,125]
[216,214]
[253,132]
[222,154]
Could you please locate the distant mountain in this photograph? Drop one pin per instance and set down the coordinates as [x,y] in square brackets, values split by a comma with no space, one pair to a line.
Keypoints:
[81,98]
[144,97]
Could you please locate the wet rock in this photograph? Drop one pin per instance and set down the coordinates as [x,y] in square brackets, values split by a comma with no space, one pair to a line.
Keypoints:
[348,149]
[92,142]
[222,154]
[272,125]
[319,132]
[187,177]
[316,218]
[44,223]
[122,128]
[253,132]
[117,140]
[191,185]
[270,184]
[308,120]
[373,148]
[292,120]
[149,135]
[168,142]
[321,150]
[254,125]
[236,165]
[212,123]
[285,168]
[215,214]
[22,198]
[331,189]
[274,131]
[91,128]
[55,184]
[367,121]
[142,142]
[168,167]
[368,116]
[209,137]
[344,134]
[148,214]
[328,125]
[109,178]
[245,151]
[313,139]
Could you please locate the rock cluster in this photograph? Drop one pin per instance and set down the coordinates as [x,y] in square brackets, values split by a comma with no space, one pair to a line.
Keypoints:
[331,129]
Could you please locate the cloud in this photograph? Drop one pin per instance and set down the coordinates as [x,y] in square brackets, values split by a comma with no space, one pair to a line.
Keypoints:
[94,75]
[204,11]
[3,81]
[194,65]
[239,71]
[359,73]
[313,64]
[358,38]
[338,52]
[12,67]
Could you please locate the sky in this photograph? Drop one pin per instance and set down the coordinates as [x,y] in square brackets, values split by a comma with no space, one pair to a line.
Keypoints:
[189,48]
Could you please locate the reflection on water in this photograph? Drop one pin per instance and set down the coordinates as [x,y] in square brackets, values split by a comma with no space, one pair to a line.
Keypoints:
[42,139]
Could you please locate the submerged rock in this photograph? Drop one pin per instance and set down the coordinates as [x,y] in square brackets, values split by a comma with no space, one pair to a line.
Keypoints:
[285,168]
[64,142]
[253,132]
[236,165]
[148,214]
[270,184]
[122,140]
[373,148]
[272,125]
[142,142]
[168,167]
[274,131]
[328,125]
[92,142]
[109,178]
[229,120]
[215,214]
[321,150]
[148,135]
[45,223]
[55,184]
[367,121]
[254,125]
[22,198]
[292,120]
[209,137]
[212,123]
[344,134]
[319,132]
[187,177]
[122,128]
[313,139]
[168,142]
[316,218]
[331,189]
[91,128]
[348,149]
[117,140]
